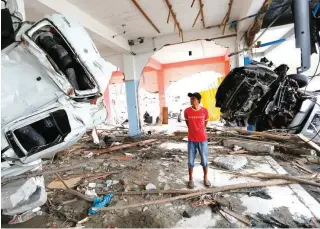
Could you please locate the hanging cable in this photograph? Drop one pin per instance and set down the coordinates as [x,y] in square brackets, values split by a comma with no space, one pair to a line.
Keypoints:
[255,41]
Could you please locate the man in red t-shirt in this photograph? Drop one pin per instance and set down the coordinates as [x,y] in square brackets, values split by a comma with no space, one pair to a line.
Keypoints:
[197,118]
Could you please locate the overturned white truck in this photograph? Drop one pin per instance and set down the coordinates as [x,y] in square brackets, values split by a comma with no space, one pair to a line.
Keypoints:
[52,84]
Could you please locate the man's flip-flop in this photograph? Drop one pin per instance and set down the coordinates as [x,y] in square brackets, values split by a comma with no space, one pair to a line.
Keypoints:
[190,184]
[207,183]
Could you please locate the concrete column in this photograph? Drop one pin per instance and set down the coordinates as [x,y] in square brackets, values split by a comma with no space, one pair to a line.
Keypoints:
[107,102]
[132,69]
[131,94]
[162,93]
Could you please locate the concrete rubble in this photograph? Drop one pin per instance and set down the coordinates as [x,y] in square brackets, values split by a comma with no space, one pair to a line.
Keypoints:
[37,199]
[231,162]
[258,147]
[23,195]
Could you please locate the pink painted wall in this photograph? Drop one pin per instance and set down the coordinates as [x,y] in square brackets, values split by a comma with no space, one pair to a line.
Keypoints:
[178,71]
[157,77]
[175,74]
[107,102]
[149,81]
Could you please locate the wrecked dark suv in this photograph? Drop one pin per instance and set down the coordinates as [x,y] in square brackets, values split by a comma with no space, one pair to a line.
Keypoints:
[241,89]
[269,99]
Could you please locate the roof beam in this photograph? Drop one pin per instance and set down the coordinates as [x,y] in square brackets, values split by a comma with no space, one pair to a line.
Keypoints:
[66,8]
[195,20]
[145,15]
[192,3]
[256,26]
[202,14]
[248,8]
[176,23]
[227,17]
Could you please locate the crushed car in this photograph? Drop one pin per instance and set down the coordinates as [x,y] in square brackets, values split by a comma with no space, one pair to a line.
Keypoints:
[268,99]
[51,95]
[52,84]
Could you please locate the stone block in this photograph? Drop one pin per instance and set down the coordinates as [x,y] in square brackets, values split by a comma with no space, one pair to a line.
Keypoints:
[18,191]
[259,147]
[231,162]
[37,199]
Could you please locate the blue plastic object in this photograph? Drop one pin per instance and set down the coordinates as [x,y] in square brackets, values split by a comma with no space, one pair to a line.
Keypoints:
[247,60]
[251,128]
[316,9]
[99,203]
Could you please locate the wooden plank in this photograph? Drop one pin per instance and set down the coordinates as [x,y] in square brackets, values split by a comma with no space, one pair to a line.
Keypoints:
[202,192]
[309,142]
[168,16]
[165,119]
[202,14]
[241,218]
[176,23]
[192,3]
[75,193]
[267,135]
[195,20]
[303,168]
[71,183]
[227,16]
[145,15]
[281,176]
[125,146]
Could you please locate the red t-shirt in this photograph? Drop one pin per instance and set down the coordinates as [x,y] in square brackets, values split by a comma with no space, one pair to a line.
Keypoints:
[196,122]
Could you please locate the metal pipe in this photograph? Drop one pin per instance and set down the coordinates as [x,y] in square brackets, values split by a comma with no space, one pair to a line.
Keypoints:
[302,32]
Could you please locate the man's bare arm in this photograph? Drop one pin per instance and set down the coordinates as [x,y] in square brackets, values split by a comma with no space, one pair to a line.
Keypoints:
[187,123]
[205,123]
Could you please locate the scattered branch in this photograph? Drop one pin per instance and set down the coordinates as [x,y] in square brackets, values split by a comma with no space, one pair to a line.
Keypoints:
[202,192]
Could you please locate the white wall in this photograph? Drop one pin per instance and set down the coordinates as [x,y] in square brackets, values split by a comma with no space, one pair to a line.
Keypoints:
[286,53]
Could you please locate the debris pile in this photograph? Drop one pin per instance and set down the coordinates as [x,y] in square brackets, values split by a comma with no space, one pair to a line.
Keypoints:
[96,185]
